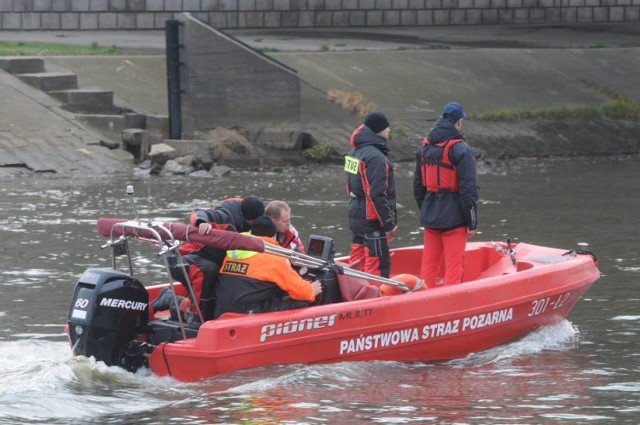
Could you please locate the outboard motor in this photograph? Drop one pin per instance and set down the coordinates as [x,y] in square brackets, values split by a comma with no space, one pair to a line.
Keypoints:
[108,310]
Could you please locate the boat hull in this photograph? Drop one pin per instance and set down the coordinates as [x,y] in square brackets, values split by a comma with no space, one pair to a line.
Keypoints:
[498,301]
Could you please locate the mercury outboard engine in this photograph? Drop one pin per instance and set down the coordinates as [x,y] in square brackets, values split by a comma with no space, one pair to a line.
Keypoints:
[108,310]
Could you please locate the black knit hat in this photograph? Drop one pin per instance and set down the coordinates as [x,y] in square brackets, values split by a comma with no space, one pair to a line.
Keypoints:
[376,121]
[264,226]
[252,208]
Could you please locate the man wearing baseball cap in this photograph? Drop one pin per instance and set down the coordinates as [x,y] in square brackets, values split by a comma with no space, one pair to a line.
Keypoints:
[445,188]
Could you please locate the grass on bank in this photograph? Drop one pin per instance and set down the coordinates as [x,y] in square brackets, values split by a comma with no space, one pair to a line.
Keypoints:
[619,107]
[353,101]
[45,49]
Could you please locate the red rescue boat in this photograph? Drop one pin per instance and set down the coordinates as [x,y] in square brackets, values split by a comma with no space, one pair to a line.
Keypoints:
[508,291]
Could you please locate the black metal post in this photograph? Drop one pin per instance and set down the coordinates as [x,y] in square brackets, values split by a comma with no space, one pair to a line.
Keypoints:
[173,78]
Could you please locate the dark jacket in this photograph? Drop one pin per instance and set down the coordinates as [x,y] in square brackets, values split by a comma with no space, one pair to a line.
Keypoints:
[226,216]
[447,210]
[228,213]
[371,188]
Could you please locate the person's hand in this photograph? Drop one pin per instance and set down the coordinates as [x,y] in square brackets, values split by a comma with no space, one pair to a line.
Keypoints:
[317,287]
[204,228]
[471,233]
[391,233]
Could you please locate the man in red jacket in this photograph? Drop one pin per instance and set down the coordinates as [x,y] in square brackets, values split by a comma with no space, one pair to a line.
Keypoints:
[287,236]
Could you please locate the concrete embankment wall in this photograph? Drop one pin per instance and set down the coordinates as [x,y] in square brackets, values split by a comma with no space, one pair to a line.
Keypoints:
[228,14]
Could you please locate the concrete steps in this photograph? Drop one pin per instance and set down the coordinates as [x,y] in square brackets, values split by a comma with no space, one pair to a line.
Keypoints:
[87,101]
[21,65]
[92,106]
[50,81]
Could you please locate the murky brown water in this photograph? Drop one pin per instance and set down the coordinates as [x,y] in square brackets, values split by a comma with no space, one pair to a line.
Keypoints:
[584,370]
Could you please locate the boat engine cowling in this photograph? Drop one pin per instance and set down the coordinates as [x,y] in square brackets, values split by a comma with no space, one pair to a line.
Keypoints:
[108,310]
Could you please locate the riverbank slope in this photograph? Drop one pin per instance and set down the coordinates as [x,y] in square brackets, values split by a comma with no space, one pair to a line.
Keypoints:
[409,73]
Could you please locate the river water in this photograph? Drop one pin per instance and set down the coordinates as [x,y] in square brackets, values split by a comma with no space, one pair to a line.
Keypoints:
[581,371]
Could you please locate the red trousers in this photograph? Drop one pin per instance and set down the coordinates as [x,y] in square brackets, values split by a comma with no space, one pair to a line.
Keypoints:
[443,256]
[370,253]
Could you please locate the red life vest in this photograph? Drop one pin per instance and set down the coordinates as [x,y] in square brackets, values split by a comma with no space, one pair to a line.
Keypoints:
[439,174]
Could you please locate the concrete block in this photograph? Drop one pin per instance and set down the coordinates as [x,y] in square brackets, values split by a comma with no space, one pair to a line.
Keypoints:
[424,17]
[89,21]
[569,14]
[21,5]
[585,14]
[208,5]
[383,4]
[358,18]
[246,5]
[521,16]
[107,21]
[272,19]
[458,17]
[316,5]
[298,4]
[341,19]
[21,65]
[616,14]
[145,21]
[250,19]
[281,4]
[489,16]
[324,19]
[137,5]
[289,19]
[306,19]
[264,5]
[50,21]
[437,4]
[136,141]
[79,5]
[350,4]
[374,18]
[70,21]
[332,4]
[161,19]
[51,81]
[228,5]
[118,5]
[11,21]
[42,5]
[232,20]
[505,16]
[408,17]
[86,101]
[441,17]
[632,13]
[133,120]
[126,21]
[191,5]
[368,4]
[155,5]
[158,126]
[218,19]
[401,4]
[59,6]
[31,21]
[536,15]
[99,5]
[474,17]
[465,4]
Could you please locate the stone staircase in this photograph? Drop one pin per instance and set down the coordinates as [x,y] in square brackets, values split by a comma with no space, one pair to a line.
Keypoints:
[92,106]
